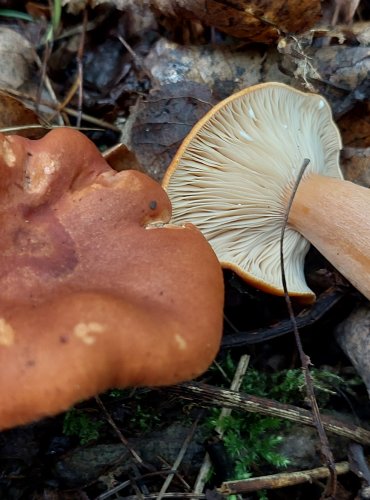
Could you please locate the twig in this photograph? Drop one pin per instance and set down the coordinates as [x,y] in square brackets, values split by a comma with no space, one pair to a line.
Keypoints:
[138,61]
[305,360]
[179,458]
[122,438]
[180,478]
[280,480]
[180,496]
[325,302]
[225,412]
[80,70]
[125,484]
[208,396]
[31,101]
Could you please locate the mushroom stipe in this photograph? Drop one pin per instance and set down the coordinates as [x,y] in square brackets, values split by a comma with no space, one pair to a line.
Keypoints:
[233,175]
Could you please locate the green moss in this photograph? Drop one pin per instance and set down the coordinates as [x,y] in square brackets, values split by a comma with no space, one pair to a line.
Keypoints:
[80,424]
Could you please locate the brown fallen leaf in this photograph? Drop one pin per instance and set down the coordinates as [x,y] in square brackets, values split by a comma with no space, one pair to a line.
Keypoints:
[15,115]
[256,20]
[119,157]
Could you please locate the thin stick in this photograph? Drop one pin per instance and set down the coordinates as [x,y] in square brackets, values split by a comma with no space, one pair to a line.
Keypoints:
[281,480]
[209,395]
[179,458]
[203,473]
[136,457]
[305,360]
[80,70]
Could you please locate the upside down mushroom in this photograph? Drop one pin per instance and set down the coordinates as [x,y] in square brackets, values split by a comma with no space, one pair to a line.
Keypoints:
[233,177]
[97,291]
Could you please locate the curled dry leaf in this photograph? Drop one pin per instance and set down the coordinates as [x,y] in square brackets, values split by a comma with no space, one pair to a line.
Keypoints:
[256,20]
[96,291]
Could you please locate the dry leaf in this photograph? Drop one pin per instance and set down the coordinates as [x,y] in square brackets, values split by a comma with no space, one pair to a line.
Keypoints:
[16,59]
[13,113]
[256,20]
[339,72]
[119,157]
[158,125]
[224,71]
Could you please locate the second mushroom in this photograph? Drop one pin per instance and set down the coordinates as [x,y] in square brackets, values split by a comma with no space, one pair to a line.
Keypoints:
[235,172]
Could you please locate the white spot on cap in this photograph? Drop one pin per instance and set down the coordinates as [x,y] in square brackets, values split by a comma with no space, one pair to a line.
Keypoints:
[284,125]
[7,335]
[181,342]
[321,104]
[50,168]
[244,134]
[84,331]
[8,154]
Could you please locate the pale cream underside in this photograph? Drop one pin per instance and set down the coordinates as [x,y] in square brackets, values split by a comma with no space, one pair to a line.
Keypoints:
[231,179]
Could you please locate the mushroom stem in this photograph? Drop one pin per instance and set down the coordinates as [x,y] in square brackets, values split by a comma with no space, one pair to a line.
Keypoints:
[333,215]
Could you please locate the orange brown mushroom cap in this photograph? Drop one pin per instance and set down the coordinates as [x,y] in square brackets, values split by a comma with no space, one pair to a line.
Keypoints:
[96,290]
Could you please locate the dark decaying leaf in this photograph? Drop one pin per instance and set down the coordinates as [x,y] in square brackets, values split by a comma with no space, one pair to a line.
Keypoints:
[158,124]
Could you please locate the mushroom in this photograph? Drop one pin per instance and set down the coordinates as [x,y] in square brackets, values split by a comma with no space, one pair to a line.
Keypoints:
[97,290]
[235,172]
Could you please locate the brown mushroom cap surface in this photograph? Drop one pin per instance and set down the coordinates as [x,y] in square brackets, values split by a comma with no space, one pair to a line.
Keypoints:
[234,172]
[95,291]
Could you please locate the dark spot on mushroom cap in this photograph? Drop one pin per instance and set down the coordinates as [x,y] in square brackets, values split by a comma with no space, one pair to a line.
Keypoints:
[153,205]
[63,339]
